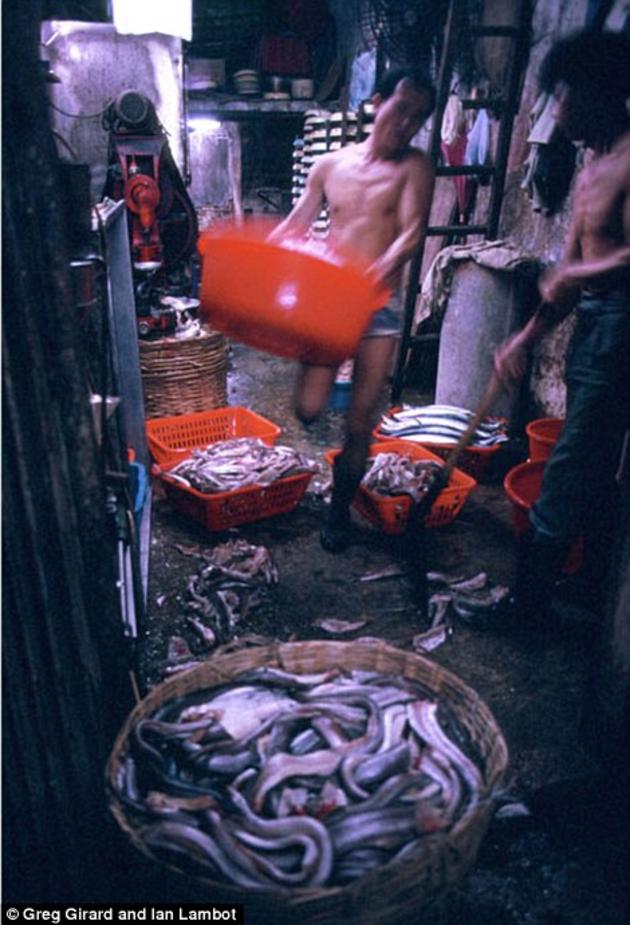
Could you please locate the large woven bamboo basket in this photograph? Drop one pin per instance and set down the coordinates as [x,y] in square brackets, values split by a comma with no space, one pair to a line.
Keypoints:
[184,376]
[394,893]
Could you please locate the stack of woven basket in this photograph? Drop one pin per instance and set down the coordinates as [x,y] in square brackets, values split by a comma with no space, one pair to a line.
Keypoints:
[183,376]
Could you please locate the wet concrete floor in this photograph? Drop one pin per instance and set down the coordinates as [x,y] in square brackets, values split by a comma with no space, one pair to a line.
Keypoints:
[561,863]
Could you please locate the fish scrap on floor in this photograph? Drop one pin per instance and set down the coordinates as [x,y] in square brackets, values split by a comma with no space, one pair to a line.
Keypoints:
[474,600]
[273,780]
[232,464]
[390,571]
[339,627]
[233,580]
[440,424]
[432,638]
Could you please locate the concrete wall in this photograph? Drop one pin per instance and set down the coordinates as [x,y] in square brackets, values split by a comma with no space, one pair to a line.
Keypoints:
[215,162]
[95,64]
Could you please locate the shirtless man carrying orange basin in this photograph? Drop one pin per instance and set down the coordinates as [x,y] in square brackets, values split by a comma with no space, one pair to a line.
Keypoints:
[379,196]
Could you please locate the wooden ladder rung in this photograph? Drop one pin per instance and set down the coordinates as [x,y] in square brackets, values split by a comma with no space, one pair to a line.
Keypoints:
[464,170]
[496,104]
[443,230]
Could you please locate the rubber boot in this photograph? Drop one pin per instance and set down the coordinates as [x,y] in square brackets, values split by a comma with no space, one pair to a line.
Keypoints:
[529,606]
[538,569]
[586,589]
[336,533]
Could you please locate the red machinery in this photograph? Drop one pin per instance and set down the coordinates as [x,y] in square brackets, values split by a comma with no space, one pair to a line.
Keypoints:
[162,219]
[142,196]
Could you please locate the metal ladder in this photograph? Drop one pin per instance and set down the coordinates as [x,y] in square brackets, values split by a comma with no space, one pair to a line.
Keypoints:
[503,107]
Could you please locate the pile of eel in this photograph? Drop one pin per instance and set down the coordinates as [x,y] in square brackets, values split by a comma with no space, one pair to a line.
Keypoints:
[274,781]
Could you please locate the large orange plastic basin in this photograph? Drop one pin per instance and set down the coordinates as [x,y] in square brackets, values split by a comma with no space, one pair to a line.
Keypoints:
[523,485]
[284,301]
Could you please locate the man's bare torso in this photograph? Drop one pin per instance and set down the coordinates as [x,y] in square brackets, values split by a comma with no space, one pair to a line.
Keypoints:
[363,198]
[602,203]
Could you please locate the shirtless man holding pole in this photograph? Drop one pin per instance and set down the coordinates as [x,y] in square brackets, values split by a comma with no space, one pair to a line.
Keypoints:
[589,75]
[379,196]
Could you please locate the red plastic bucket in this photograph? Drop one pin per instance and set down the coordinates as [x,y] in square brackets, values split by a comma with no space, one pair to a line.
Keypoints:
[522,485]
[542,435]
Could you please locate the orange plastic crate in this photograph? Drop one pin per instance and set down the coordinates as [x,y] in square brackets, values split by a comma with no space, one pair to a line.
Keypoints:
[227,509]
[473,460]
[172,439]
[390,512]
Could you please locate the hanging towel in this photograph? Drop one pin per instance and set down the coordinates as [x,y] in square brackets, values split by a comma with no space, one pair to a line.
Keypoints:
[496,255]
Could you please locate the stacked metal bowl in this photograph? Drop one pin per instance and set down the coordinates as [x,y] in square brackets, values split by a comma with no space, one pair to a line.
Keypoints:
[246,82]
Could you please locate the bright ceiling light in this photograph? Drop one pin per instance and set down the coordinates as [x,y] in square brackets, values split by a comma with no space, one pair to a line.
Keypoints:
[143,16]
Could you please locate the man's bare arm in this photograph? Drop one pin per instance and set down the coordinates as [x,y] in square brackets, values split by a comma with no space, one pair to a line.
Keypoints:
[564,282]
[307,208]
[414,208]
[510,358]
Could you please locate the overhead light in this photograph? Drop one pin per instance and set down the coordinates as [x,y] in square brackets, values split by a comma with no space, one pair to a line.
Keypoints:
[145,16]
[204,124]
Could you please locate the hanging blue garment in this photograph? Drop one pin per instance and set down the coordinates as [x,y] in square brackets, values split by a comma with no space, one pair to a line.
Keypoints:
[478,140]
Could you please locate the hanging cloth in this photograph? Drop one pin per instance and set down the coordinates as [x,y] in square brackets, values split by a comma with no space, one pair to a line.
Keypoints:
[454,141]
[550,162]
[478,147]
[453,120]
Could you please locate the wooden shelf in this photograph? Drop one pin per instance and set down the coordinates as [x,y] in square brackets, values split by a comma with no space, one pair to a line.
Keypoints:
[234,108]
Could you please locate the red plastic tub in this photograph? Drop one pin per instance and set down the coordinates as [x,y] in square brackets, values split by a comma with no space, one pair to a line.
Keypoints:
[522,485]
[542,435]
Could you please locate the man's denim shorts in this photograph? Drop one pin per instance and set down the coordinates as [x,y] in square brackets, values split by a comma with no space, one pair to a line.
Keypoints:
[387,321]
